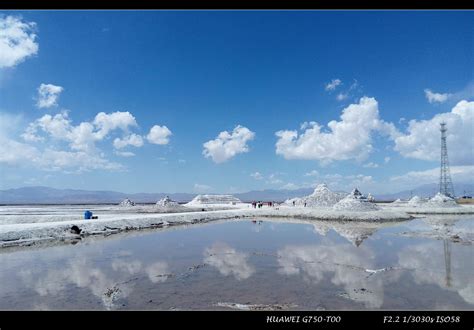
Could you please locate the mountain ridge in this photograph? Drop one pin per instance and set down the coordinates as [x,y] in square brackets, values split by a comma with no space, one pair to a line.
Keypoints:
[48,195]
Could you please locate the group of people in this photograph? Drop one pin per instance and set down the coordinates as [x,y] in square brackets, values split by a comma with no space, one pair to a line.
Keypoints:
[259,204]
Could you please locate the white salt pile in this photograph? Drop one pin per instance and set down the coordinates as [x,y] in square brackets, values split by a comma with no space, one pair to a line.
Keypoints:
[398,201]
[440,200]
[127,203]
[214,199]
[321,197]
[416,201]
[167,202]
[370,198]
[355,202]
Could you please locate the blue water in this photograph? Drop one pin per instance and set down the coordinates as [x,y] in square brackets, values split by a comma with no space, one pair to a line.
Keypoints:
[307,265]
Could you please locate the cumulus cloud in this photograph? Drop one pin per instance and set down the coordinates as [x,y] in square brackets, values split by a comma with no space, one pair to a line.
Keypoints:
[228,145]
[130,140]
[83,154]
[349,138]
[370,165]
[422,139]
[83,136]
[312,173]
[332,85]
[17,41]
[257,176]
[458,174]
[433,97]
[159,135]
[48,95]
[106,122]
[16,153]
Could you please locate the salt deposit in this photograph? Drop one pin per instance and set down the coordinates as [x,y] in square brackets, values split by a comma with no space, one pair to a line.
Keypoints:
[416,201]
[355,202]
[441,200]
[370,198]
[167,202]
[214,199]
[398,201]
[127,203]
[321,197]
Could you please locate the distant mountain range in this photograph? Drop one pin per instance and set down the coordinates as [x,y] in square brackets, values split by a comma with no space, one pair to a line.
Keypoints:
[46,195]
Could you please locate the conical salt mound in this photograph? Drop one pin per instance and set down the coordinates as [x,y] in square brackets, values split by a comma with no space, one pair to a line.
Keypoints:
[416,201]
[167,202]
[322,196]
[355,202]
[441,200]
[127,203]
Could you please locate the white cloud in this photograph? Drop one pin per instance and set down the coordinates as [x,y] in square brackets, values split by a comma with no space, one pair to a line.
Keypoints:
[330,86]
[371,165]
[48,95]
[124,153]
[201,187]
[81,139]
[386,160]
[228,145]
[257,176]
[272,179]
[20,154]
[159,135]
[182,161]
[458,174]
[349,138]
[17,41]
[312,173]
[342,96]
[13,152]
[132,140]
[106,122]
[83,136]
[290,186]
[433,97]
[422,140]
[228,261]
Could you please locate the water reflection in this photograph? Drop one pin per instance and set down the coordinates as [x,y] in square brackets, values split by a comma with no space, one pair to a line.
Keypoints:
[107,283]
[228,261]
[432,263]
[306,258]
[344,265]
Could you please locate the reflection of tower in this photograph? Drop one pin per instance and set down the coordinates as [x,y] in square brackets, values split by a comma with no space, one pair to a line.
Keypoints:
[445,183]
[447,261]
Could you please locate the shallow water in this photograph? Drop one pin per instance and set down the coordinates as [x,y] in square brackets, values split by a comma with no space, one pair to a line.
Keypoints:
[419,264]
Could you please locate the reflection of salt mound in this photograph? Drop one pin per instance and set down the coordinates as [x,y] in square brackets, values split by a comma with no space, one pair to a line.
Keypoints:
[416,201]
[166,202]
[127,203]
[355,202]
[214,199]
[321,197]
[441,200]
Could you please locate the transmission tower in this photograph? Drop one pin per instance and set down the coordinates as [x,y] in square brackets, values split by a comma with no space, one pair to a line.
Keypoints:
[445,183]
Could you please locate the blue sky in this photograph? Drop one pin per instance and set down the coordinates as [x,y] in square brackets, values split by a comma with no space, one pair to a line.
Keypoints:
[250,73]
